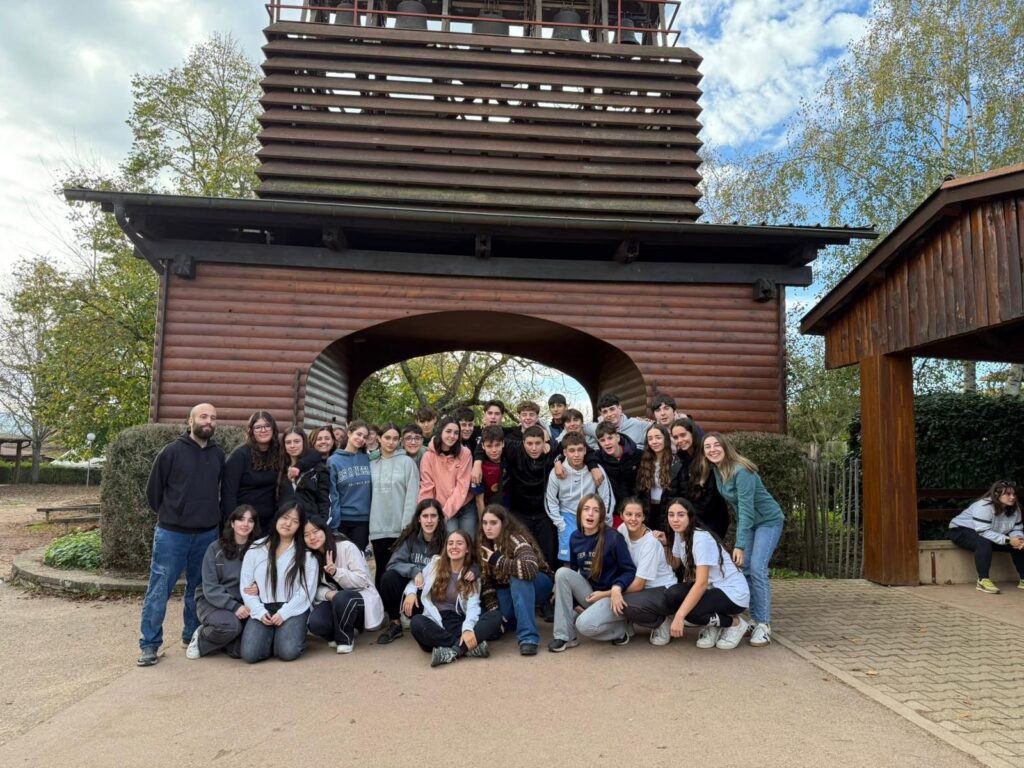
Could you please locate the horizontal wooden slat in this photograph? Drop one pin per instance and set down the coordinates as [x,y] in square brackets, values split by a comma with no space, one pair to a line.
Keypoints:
[404,123]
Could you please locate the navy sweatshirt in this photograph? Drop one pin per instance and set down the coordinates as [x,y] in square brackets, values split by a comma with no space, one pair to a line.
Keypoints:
[184,486]
[617,566]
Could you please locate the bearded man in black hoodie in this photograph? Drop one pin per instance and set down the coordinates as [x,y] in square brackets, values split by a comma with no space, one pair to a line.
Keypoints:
[184,491]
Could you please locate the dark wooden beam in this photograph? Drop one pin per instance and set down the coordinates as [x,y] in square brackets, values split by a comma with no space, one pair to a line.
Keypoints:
[890,470]
[471,266]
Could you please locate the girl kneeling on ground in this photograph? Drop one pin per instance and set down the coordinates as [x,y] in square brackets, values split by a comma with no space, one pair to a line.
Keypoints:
[451,625]
[991,524]
[514,571]
[645,599]
[285,575]
[218,599]
[600,570]
[713,593]
[346,599]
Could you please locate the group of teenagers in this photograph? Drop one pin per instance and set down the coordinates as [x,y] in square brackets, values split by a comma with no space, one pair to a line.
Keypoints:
[603,529]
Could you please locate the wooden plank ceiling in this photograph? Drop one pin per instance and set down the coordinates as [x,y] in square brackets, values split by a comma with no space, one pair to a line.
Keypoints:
[480,122]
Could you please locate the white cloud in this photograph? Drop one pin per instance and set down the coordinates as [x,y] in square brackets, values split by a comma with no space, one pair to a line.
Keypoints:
[761,57]
[70,94]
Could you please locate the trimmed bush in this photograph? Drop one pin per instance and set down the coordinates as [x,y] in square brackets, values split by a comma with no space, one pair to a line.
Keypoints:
[125,517]
[79,550]
[49,474]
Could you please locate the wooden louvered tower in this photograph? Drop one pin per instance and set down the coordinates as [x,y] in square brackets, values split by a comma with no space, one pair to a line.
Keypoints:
[360,105]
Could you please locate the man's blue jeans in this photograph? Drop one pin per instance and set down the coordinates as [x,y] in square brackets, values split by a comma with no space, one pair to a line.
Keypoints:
[518,602]
[173,553]
[763,541]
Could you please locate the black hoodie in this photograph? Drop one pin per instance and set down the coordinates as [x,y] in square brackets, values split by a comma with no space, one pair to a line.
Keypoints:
[184,486]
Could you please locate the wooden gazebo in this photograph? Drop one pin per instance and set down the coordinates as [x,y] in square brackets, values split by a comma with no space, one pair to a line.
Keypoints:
[948,282]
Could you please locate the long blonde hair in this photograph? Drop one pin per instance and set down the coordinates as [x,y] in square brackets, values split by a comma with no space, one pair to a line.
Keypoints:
[730,460]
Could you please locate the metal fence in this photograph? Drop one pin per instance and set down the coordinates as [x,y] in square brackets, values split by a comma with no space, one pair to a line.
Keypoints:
[830,524]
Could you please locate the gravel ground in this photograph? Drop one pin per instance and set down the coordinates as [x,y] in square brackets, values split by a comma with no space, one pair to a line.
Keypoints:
[21,527]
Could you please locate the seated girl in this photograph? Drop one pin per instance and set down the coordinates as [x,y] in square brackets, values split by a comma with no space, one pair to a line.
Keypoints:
[346,599]
[516,578]
[644,602]
[991,524]
[286,577]
[219,599]
[713,593]
[451,624]
[418,543]
[600,570]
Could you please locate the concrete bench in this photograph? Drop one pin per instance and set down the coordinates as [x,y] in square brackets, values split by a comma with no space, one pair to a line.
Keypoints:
[943,562]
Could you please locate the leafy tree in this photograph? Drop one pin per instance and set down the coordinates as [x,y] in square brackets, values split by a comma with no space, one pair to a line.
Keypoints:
[25,328]
[446,381]
[195,126]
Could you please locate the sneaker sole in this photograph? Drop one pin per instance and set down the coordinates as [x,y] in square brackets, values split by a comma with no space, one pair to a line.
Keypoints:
[760,645]
[989,591]
[568,644]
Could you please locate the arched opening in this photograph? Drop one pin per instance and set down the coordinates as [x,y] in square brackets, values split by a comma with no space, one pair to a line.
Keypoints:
[337,372]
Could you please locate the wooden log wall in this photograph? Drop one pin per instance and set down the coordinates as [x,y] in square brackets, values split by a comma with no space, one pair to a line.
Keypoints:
[235,335]
[967,273]
[502,123]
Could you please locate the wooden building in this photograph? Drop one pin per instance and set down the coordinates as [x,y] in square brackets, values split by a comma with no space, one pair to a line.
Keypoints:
[429,189]
[948,282]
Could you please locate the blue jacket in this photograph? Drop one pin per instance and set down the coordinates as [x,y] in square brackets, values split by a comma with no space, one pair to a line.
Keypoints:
[617,566]
[351,487]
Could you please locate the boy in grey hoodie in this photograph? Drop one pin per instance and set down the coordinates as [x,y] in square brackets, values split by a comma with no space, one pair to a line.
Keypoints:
[563,495]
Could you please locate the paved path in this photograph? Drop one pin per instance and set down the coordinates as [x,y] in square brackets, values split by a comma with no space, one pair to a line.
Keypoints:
[72,696]
[949,659]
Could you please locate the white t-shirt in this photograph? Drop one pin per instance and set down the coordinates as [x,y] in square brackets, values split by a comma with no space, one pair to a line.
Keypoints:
[649,556]
[727,577]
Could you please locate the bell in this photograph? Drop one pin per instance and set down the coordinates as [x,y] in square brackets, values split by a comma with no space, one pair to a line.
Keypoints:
[345,13]
[411,22]
[567,16]
[490,23]
[628,35]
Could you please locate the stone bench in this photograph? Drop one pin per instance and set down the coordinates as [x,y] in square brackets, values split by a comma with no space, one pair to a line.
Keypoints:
[943,562]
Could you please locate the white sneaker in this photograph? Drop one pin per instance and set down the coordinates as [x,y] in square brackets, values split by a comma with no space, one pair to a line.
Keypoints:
[662,635]
[331,644]
[192,652]
[708,636]
[762,635]
[345,648]
[731,636]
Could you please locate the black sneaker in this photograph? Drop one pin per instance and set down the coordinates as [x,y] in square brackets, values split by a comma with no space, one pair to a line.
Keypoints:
[148,657]
[557,646]
[389,635]
[528,649]
[621,640]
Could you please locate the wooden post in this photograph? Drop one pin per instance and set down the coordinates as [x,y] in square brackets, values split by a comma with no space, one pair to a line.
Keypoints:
[17,462]
[890,470]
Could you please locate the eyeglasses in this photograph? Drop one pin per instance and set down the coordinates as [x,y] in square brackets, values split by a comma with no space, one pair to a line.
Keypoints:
[261,428]
[413,438]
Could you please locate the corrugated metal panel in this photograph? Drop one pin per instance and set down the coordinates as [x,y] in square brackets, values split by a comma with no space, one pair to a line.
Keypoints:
[710,346]
[326,389]
[521,124]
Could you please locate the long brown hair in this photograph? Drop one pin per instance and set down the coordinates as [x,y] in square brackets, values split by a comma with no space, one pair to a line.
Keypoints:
[651,462]
[694,524]
[731,459]
[443,570]
[273,457]
[996,490]
[511,529]
[602,528]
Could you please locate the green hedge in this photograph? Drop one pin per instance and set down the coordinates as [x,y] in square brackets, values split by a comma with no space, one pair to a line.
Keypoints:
[126,519]
[79,550]
[49,474]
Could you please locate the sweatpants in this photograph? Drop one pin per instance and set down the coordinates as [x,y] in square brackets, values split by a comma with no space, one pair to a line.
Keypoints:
[712,608]
[983,549]
[598,620]
[338,618]
[219,629]
[430,635]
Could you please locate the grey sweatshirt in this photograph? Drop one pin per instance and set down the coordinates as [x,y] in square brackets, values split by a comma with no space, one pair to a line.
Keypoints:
[220,579]
[981,517]
[396,486]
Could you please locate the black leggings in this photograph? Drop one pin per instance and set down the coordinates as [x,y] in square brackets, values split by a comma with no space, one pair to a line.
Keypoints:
[713,604]
[392,586]
[430,635]
[381,555]
[983,548]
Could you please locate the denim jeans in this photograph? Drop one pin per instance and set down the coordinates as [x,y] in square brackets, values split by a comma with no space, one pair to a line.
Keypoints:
[518,603]
[173,553]
[465,519]
[763,541]
[286,642]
